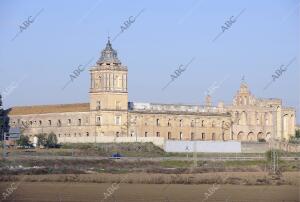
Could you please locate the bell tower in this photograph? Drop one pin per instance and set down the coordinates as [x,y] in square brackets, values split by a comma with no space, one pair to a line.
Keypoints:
[108,93]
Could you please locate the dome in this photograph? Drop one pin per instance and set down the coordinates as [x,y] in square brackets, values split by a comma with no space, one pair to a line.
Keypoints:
[108,55]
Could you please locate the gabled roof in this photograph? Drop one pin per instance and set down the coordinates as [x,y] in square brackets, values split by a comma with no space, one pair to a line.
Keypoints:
[44,109]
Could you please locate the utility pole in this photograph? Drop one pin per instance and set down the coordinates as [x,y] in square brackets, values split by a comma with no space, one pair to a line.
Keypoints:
[274,154]
[4,145]
[195,146]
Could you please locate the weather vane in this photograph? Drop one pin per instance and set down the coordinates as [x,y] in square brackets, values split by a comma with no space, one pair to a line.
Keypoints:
[243,78]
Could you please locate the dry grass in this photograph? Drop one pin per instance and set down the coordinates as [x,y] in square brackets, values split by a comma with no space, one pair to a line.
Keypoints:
[236,178]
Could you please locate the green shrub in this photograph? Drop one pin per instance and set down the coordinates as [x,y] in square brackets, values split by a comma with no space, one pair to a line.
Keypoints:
[47,140]
[42,139]
[23,141]
[51,140]
[269,154]
[294,140]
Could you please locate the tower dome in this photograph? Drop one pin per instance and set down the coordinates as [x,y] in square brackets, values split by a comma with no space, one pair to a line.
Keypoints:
[108,55]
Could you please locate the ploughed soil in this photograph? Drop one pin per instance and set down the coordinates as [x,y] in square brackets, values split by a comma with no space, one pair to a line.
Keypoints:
[59,191]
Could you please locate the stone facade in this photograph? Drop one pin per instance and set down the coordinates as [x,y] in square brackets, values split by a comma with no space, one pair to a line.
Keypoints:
[109,114]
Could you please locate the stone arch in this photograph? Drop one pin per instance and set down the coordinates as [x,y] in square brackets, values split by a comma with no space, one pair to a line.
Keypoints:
[251,136]
[240,136]
[261,136]
[268,136]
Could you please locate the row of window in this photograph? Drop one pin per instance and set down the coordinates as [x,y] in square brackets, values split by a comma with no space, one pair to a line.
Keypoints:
[99,106]
[78,122]
[75,135]
[181,124]
[99,121]
[180,135]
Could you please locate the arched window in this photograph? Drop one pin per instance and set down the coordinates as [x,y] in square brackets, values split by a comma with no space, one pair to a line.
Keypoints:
[192,136]
[243,119]
[192,123]
[169,135]
[213,136]
[180,135]
[157,122]
[169,122]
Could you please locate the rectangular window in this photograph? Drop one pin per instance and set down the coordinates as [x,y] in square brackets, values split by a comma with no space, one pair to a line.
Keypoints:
[69,121]
[49,121]
[79,122]
[157,134]
[118,120]
[146,134]
[98,120]
[118,105]
[180,135]
[98,107]
[169,135]
[192,136]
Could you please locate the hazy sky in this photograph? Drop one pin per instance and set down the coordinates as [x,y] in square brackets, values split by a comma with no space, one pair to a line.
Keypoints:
[36,65]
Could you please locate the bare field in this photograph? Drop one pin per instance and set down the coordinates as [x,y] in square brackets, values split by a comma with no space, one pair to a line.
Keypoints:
[46,177]
[50,191]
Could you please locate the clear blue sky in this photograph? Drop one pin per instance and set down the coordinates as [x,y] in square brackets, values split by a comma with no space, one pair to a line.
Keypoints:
[36,65]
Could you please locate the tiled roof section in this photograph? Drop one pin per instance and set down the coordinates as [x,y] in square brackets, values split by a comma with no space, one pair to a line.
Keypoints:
[44,109]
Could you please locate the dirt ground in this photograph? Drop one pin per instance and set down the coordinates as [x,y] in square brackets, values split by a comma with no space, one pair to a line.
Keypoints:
[75,192]
[147,187]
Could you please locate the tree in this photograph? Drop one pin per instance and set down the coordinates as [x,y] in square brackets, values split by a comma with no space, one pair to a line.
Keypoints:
[1,119]
[23,141]
[42,140]
[297,134]
[51,140]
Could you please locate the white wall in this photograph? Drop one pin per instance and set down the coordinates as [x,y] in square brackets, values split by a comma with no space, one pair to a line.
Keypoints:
[158,141]
[203,146]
